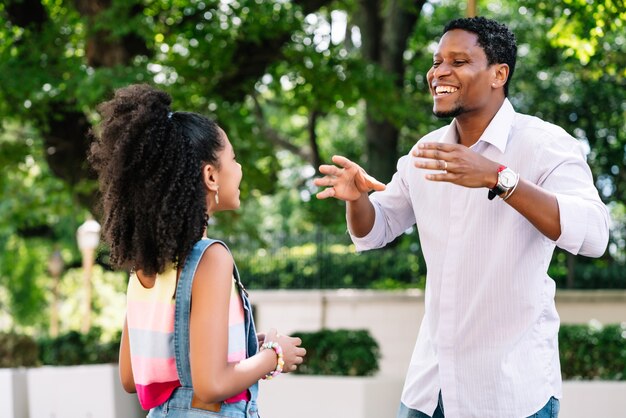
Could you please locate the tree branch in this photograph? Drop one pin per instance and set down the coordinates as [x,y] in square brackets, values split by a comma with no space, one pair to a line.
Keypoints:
[275,137]
[251,58]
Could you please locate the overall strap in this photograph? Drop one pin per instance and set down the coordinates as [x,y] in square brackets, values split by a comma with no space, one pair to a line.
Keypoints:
[183,309]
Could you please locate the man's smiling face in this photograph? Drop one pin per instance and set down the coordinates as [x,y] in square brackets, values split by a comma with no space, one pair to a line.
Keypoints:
[460,78]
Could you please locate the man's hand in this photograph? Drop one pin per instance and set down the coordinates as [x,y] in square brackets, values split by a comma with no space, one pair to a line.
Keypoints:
[345,181]
[457,164]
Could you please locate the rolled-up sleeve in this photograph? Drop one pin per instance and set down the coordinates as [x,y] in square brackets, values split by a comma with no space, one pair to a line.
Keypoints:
[584,226]
[584,218]
[376,237]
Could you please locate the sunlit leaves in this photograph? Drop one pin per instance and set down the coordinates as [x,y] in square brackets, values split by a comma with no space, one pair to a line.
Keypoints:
[589,30]
[36,210]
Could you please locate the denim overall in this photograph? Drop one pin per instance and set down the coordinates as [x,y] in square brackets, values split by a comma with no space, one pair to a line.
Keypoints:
[182,402]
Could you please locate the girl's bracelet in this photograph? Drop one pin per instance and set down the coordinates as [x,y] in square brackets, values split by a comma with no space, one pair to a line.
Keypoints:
[279,363]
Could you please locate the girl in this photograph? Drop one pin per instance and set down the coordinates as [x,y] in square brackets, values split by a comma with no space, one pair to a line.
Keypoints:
[189,345]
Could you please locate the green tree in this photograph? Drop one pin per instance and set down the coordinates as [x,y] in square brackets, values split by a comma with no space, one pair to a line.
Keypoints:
[292,82]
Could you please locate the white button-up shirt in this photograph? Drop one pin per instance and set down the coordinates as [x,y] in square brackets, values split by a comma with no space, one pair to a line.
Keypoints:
[488,339]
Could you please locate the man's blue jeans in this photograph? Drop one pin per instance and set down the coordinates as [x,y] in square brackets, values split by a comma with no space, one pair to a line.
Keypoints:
[551,410]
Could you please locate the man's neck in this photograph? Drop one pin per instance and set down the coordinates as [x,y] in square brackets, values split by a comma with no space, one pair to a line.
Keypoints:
[471,125]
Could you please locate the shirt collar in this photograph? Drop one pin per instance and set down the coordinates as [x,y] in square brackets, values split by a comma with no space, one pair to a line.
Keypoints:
[497,132]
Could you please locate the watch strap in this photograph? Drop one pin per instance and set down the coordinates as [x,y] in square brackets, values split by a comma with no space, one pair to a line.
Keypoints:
[495,190]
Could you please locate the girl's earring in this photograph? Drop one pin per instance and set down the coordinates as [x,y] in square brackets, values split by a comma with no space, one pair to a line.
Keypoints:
[217,197]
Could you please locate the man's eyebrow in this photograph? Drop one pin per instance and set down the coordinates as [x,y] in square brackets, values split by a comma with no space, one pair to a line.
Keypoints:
[453,53]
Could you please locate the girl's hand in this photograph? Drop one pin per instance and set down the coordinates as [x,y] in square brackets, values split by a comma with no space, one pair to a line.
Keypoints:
[293,354]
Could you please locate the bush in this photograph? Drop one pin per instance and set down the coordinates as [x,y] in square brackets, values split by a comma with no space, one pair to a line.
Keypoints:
[74,348]
[17,350]
[339,352]
[330,268]
[589,273]
[589,352]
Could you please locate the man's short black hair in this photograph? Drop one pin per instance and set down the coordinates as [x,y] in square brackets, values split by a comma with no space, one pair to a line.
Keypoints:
[496,40]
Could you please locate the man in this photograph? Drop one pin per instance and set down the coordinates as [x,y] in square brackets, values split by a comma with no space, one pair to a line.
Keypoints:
[491,194]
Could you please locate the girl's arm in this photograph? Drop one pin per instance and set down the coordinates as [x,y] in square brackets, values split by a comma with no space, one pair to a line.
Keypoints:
[126,371]
[214,379]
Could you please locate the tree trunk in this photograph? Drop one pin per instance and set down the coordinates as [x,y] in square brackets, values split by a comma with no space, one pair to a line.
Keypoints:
[571,271]
[385,30]
[316,159]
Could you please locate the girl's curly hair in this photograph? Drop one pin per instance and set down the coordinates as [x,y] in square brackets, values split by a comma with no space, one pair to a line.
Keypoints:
[149,162]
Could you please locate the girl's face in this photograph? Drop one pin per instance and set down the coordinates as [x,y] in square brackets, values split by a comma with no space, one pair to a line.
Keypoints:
[228,177]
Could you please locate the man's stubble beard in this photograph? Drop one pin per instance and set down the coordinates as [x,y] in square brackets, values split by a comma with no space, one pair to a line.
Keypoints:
[450,113]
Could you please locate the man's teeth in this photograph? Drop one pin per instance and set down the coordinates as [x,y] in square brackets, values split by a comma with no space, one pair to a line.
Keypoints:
[445,89]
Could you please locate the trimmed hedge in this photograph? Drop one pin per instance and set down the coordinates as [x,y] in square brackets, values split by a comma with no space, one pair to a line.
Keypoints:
[593,352]
[327,262]
[334,267]
[339,352]
[587,352]
[18,350]
[74,348]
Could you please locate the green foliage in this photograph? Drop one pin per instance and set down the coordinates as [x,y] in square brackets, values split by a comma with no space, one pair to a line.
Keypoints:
[588,273]
[74,348]
[593,352]
[108,304]
[320,265]
[582,28]
[17,350]
[37,215]
[570,71]
[339,352]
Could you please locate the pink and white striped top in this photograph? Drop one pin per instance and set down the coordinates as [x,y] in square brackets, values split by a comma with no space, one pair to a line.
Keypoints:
[150,320]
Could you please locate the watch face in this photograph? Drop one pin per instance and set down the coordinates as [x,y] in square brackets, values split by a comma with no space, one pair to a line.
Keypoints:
[507,178]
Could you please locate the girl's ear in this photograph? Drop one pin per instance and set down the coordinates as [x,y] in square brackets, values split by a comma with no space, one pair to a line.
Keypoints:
[209,175]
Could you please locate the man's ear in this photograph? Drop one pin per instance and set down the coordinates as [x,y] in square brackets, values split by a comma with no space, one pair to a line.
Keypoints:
[501,75]
[209,176]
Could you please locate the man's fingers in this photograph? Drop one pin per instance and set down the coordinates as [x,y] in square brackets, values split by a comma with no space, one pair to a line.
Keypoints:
[442,177]
[431,154]
[374,184]
[323,181]
[378,186]
[437,146]
[328,169]
[342,161]
[326,193]
[333,170]
[428,164]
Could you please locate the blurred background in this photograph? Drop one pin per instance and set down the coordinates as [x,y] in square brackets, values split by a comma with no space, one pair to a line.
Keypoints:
[292,83]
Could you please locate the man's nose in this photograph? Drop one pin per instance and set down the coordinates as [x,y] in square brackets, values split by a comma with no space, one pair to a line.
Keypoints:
[441,70]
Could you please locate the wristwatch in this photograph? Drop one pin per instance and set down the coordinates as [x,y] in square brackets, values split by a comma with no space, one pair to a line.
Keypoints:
[507,179]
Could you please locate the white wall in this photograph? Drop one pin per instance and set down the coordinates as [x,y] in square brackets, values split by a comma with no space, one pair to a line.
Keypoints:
[593,399]
[92,391]
[13,393]
[393,317]
[291,396]
[583,306]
